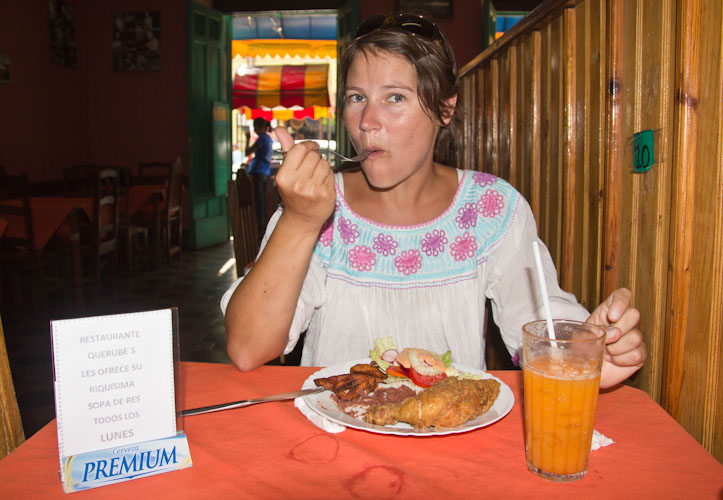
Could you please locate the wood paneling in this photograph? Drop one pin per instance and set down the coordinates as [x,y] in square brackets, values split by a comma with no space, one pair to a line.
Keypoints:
[553,107]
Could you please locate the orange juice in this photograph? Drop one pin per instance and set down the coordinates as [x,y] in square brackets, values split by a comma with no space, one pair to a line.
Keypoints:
[560,400]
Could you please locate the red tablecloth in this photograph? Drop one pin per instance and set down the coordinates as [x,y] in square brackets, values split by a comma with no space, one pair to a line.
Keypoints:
[3,227]
[48,213]
[272,451]
[141,193]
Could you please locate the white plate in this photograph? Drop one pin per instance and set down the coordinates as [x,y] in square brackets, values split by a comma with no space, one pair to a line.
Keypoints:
[326,407]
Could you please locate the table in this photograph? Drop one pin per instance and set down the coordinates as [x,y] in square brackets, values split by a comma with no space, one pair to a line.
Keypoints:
[3,227]
[48,213]
[139,194]
[272,451]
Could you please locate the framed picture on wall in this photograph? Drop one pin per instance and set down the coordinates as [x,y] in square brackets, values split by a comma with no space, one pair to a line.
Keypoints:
[5,69]
[137,41]
[438,9]
[63,50]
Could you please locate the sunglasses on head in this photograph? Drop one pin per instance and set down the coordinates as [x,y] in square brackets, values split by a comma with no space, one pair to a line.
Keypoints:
[416,25]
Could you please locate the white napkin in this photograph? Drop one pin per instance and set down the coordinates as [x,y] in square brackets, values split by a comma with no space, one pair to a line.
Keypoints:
[316,419]
[599,440]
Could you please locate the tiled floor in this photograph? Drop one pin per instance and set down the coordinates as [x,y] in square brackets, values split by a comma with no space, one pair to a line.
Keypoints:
[194,284]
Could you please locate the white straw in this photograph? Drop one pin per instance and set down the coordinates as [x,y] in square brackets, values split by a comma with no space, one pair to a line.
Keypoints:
[543,290]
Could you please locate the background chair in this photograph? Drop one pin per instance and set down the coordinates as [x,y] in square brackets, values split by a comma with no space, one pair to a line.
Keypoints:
[133,237]
[242,216]
[153,172]
[99,236]
[78,179]
[27,273]
[11,429]
[163,217]
[173,215]
[17,256]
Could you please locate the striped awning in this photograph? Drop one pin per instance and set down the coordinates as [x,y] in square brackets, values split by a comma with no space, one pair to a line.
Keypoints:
[284,48]
[286,86]
[313,112]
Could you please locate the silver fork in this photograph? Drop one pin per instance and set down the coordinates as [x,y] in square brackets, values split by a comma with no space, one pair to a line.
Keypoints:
[356,158]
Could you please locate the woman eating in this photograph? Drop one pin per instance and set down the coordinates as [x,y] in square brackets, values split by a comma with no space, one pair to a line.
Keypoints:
[401,245]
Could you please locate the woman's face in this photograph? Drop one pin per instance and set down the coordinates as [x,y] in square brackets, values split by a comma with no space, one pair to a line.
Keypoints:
[382,114]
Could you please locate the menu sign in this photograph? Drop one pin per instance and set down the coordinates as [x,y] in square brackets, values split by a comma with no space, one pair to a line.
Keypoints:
[114,385]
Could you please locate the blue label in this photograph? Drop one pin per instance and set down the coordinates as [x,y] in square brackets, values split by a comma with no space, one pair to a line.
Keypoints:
[115,465]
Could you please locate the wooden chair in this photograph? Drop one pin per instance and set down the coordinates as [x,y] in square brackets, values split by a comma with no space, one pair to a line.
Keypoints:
[242,216]
[153,172]
[17,255]
[246,241]
[23,269]
[165,221]
[134,237]
[78,179]
[16,186]
[173,213]
[11,429]
[99,239]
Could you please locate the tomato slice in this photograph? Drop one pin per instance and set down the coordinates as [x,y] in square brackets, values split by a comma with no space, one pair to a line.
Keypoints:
[398,371]
[424,380]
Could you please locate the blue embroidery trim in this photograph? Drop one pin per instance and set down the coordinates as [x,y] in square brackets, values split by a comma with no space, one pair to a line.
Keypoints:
[443,251]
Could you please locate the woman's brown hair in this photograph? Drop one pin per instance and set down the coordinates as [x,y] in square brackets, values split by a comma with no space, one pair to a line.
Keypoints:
[436,68]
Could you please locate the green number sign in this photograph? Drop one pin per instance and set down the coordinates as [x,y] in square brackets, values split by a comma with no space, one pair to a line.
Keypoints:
[643,157]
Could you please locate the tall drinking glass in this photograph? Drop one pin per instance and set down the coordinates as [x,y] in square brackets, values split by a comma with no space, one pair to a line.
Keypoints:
[562,379]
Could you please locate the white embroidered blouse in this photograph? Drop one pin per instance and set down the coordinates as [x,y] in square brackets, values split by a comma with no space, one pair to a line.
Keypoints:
[424,285]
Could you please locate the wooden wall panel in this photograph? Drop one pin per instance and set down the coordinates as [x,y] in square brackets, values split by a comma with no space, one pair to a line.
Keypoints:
[595,88]
[468,106]
[492,100]
[480,119]
[556,142]
[558,101]
[535,120]
[648,70]
[570,253]
[682,208]
[522,145]
[506,95]
[702,388]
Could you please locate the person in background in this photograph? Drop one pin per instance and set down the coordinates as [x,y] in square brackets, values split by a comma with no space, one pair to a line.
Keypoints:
[260,169]
[403,245]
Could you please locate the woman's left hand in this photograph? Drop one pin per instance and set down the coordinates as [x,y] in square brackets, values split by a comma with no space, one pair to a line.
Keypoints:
[625,351]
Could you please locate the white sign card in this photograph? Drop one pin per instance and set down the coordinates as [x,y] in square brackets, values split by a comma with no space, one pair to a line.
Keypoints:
[114,380]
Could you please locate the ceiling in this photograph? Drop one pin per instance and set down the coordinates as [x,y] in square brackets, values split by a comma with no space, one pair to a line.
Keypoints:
[294,25]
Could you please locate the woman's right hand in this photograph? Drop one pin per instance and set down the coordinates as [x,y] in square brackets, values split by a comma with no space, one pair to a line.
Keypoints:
[305,182]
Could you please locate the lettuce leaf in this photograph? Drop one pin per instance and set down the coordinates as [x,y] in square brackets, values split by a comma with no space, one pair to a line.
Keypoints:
[446,358]
[380,346]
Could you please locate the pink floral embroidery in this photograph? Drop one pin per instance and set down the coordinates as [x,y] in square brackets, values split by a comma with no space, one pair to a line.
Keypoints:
[433,243]
[362,258]
[327,232]
[463,247]
[467,216]
[385,244]
[490,203]
[409,262]
[348,231]
[483,178]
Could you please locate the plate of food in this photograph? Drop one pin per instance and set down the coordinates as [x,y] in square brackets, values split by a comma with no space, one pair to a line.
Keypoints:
[372,397]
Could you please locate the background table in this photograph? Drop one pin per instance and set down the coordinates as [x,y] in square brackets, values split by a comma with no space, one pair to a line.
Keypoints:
[48,213]
[272,451]
[140,194]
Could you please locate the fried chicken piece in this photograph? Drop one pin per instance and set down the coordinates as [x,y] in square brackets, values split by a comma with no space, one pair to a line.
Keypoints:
[362,380]
[448,403]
